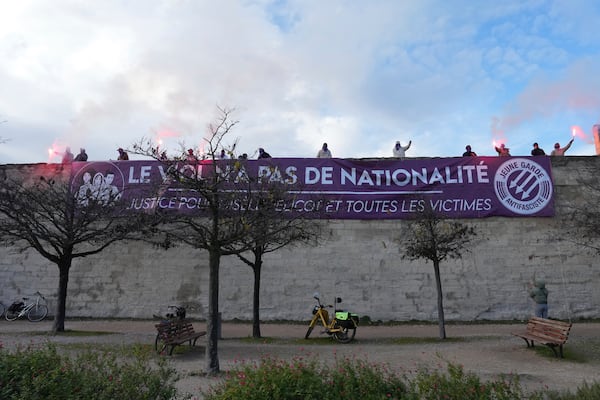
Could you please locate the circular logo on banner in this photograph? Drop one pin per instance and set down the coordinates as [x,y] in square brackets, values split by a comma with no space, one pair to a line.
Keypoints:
[522,186]
[100,181]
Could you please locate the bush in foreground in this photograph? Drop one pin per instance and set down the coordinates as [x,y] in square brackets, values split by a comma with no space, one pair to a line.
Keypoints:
[457,384]
[43,373]
[308,379]
[584,392]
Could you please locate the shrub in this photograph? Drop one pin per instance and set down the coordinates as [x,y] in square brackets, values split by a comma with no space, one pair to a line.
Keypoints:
[456,384]
[44,373]
[307,379]
[584,392]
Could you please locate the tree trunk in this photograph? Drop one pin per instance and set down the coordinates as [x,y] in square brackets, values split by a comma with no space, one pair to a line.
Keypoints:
[440,300]
[256,296]
[61,305]
[212,331]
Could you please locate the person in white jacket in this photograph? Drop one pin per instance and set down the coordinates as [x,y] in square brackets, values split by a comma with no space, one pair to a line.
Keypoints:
[399,151]
[324,152]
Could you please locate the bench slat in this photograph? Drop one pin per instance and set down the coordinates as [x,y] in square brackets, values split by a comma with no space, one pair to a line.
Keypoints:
[551,322]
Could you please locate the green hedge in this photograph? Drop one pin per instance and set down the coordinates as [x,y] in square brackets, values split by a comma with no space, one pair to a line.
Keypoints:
[43,372]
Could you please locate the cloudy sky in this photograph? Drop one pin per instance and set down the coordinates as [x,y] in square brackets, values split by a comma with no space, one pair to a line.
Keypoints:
[359,75]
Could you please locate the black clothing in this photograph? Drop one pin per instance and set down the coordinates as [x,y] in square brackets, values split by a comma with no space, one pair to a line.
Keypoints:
[469,154]
[264,154]
[81,156]
[538,152]
[123,154]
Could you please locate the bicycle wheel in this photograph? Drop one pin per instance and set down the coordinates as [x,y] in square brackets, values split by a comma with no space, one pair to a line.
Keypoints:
[346,335]
[37,313]
[11,315]
[159,344]
[310,329]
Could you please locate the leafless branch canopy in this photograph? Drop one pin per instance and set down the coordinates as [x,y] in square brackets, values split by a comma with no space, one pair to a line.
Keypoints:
[45,213]
[432,237]
[213,141]
[233,221]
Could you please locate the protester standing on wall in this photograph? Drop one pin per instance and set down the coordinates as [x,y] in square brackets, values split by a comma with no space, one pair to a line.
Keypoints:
[399,151]
[537,151]
[560,151]
[123,156]
[190,156]
[469,152]
[324,152]
[263,154]
[502,151]
[82,156]
[68,156]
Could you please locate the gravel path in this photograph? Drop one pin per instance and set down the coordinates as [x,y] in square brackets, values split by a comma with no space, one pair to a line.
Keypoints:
[486,349]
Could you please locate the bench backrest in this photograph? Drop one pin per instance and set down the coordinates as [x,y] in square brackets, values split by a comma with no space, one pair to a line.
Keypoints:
[549,328]
[174,328]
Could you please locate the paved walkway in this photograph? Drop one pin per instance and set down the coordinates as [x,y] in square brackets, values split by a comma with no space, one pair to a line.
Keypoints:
[486,349]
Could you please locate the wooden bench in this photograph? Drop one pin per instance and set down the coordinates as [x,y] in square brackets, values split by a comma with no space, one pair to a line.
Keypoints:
[550,332]
[171,333]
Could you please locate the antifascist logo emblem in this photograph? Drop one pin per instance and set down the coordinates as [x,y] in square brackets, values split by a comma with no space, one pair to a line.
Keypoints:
[523,186]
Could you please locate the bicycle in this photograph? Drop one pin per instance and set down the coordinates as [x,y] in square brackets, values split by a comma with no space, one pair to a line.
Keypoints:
[342,326]
[178,314]
[35,310]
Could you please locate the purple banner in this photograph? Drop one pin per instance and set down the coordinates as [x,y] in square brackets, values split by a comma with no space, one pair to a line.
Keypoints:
[465,187]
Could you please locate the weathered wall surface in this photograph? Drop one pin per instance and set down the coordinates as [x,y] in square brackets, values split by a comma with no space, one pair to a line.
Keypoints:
[357,260]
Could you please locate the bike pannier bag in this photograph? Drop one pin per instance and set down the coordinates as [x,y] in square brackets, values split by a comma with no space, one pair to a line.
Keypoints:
[342,315]
[346,319]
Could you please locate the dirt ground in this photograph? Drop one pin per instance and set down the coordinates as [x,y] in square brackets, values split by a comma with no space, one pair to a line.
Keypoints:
[489,350]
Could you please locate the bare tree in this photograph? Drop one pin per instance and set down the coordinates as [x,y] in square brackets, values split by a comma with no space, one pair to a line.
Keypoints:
[44,212]
[272,230]
[431,237]
[234,213]
[221,219]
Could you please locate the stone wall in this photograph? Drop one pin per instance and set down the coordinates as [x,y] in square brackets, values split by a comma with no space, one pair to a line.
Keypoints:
[359,261]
